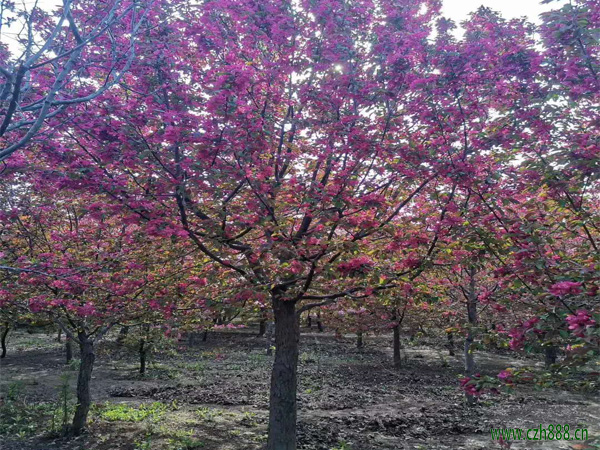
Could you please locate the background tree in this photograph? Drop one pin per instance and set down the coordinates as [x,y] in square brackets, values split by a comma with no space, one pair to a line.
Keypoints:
[77,263]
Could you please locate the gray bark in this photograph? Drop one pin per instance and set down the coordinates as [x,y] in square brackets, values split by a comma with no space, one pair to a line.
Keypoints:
[282,405]
[84,397]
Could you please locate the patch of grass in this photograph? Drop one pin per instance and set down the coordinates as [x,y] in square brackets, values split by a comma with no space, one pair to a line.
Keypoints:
[15,390]
[144,444]
[208,414]
[260,438]
[120,412]
[20,418]
[73,364]
[183,440]
[342,445]
[309,357]
[64,408]
[24,419]
[199,366]
[248,419]
[186,443]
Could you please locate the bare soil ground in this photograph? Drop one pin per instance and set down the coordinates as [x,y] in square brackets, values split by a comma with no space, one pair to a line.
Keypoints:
[214,396]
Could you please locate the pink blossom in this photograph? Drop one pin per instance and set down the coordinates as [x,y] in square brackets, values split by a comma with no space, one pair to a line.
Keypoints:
[360,265]
[153,304]
[505,375]
[529,324]
[517,338]
[60,284]
[565,288]
[296,267]
[469,386]
[86,310]
[580,321]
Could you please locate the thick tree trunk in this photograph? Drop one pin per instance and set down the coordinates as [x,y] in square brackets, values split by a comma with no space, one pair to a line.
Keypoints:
[3,339]
[84,398]
[68,350]
[282,408]
[550,355]
[359,340]
[397,357]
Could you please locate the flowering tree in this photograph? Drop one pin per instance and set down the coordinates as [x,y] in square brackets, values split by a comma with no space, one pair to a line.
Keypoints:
[77,263]
[293,145]
[284,137]
[544,233]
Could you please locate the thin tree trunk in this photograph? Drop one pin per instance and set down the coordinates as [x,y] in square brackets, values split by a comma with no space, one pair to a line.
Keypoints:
[142,357]
[123,332]
[191,339]
[397,357]
[450,344]
[144,348]
[269,338]
[319,323]
[59,336]
[473,320]
[359,339]
[469,365]
[282,402]
[84,398]
[397,319]
[205,336]
[262,327]
[550,355]
[68,350]
[3,339]
[469,359]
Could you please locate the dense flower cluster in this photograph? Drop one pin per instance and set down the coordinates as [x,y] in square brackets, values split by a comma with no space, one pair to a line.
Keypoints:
[356,266]
[580,321]
[565,288]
